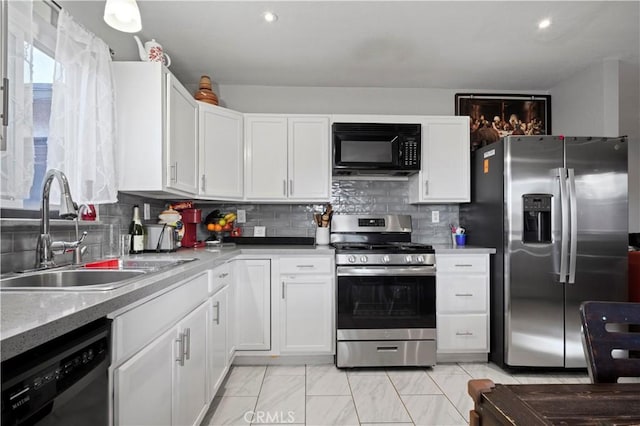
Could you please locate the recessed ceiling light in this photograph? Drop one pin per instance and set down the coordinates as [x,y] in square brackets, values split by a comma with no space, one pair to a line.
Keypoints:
[545,23]
[270,17]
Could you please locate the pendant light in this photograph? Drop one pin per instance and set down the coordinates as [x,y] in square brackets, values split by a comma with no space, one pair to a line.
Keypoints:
[123,15]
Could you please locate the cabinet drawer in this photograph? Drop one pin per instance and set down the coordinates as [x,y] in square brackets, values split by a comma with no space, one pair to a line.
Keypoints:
[462,333]
[461,293]
[462,263]
[220,276]
[306,265]
[137,327]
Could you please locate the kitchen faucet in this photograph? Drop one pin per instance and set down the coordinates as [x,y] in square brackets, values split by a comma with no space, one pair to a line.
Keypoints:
[46,248]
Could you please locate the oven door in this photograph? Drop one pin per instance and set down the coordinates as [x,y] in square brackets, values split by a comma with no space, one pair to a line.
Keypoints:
[385,298]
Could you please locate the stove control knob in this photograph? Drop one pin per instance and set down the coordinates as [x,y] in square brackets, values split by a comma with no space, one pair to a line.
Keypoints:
[420,259]
[351,259]
[408,259]
[386,259]
[364,259]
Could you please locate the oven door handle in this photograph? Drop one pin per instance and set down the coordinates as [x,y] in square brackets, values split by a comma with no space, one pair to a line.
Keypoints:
[350,271]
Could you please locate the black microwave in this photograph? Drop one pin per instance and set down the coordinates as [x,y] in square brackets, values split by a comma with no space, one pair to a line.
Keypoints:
[376,148]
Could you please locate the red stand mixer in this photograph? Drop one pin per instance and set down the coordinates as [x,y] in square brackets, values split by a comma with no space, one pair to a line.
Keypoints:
[191,218]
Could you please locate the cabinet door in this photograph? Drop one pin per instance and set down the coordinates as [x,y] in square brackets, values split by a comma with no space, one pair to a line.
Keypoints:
[181,122]
[306,314]
[217,340]
[190,391]
[266,157]
[253,304]
[309,155]
[462,293]
[232,322]
[221,150]
[445,162]
[143,384]
[462,333]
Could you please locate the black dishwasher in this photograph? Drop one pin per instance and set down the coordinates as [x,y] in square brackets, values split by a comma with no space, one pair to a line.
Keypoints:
[61,382]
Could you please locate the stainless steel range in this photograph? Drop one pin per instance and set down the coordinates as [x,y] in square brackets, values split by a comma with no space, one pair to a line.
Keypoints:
[386,302]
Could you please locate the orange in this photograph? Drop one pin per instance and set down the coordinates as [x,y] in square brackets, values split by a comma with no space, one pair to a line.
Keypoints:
[211,227]
[217,227]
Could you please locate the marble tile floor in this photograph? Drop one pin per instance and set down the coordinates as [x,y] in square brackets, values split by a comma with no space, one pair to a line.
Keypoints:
[324,395]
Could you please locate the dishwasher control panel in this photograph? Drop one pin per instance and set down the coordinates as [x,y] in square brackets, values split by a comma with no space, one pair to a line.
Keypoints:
[47,374]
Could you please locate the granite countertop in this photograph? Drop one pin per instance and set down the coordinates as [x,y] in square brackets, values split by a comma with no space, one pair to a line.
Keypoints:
[30,318]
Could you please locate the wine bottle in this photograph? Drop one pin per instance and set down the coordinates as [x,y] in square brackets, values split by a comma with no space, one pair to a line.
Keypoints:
[137,232]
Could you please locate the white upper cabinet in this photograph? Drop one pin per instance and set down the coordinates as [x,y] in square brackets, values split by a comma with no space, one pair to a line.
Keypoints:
[287,158]
[221,153]
[266,155]
[157,131]
[445,163]
[309,158]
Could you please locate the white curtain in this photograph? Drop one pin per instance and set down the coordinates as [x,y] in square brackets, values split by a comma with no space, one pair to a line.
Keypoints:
[17,157]
[82,127]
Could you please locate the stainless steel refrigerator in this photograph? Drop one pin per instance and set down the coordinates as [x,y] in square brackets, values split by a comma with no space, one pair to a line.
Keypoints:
[555,209]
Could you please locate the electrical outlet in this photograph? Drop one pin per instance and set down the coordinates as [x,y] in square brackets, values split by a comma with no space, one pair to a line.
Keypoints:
[435,216]
[241,216]
[259,231]
[146,215]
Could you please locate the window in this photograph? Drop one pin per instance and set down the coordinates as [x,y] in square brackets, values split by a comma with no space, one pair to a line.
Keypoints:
[30,41]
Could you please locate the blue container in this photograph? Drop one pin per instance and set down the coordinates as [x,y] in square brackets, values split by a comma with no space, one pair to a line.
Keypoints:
[461,239]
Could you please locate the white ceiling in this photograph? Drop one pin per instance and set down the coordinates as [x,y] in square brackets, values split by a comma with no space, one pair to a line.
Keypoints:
[400,44]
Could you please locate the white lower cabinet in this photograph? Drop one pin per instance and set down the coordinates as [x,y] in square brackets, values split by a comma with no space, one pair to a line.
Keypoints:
[306,314]
[217,358]
[143,386]
[252,304]
[462,303]
[306,308]
[190,397]
[164,382]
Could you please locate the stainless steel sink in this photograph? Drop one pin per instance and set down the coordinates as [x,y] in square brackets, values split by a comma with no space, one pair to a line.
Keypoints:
[81,279]
[74,279]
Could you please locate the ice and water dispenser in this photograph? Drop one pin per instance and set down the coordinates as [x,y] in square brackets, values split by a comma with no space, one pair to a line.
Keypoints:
[536,211]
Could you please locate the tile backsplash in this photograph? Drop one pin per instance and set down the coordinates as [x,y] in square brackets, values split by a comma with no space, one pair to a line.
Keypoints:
[18,236]
[347,196]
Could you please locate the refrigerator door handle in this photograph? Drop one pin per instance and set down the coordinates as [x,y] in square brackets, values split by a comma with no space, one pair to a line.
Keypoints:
[573,254]
[564,210]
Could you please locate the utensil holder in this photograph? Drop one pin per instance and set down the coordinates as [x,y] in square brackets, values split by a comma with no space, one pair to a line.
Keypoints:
[322,236]
[461,239]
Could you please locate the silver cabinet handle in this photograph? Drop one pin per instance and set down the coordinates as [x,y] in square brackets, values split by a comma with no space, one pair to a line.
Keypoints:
[464,294]
[204,183]
[284,187]
[426,187]
[173,172]
[180,349]
[387,349]
[290,186]
[463,265]
[464,333]
[305,266]
[223,275]
[573,206]
[283,290]
[217,306]
[187,343]
[564,250]
[5,101]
